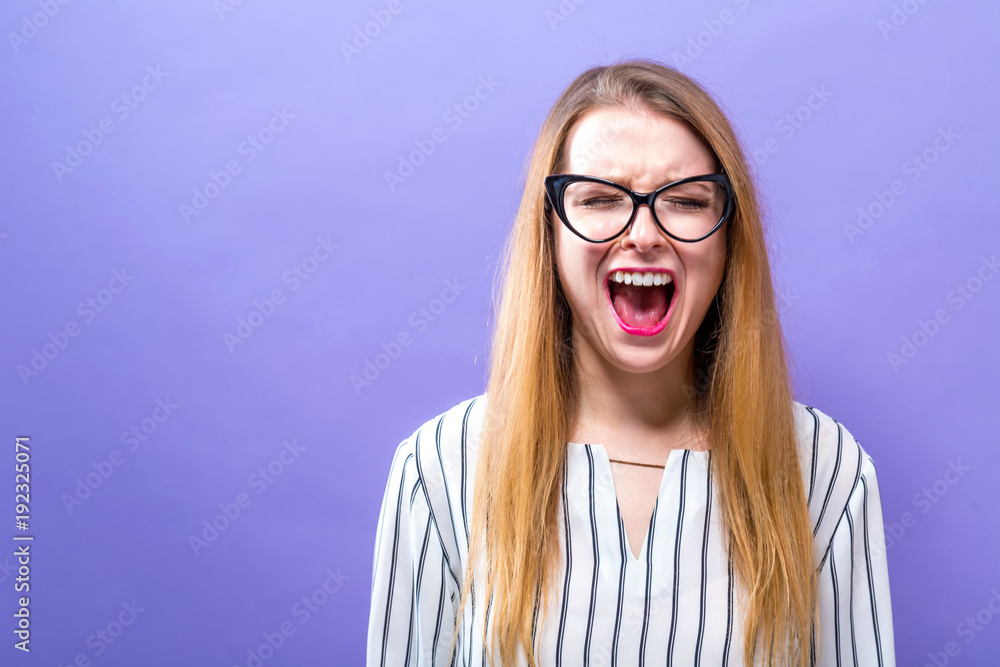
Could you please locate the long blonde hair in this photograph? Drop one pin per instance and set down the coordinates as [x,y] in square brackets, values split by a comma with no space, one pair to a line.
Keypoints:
[742,396]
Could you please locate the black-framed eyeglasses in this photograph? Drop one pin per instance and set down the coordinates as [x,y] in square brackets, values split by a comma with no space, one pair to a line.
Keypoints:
[598,210]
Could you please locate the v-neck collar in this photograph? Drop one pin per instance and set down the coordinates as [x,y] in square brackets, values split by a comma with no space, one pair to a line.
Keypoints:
[674,460]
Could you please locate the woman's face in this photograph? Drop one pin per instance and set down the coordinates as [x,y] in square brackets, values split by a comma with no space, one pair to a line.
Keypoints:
[642,152]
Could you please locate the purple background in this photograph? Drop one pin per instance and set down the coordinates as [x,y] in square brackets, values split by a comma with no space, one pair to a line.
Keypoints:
[848,299]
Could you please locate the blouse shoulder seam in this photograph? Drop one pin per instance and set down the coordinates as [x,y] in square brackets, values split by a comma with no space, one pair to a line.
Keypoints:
[864,461]
[436,421]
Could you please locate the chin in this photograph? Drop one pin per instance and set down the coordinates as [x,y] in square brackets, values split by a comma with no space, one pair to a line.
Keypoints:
[640,361]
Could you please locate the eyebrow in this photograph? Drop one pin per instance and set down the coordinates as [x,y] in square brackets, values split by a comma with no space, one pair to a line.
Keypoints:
[672,177]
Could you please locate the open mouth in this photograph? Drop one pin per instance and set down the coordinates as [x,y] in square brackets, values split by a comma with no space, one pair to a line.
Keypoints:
[640,300]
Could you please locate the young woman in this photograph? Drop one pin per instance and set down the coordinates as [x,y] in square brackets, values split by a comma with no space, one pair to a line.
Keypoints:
[636,485]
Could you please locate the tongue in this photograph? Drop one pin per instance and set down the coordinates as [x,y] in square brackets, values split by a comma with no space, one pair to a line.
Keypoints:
[640,306]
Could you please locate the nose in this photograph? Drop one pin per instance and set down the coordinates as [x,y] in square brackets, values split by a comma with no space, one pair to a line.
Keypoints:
[643,234]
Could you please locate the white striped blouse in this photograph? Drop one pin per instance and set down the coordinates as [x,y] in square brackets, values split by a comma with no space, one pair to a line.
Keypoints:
[678,603]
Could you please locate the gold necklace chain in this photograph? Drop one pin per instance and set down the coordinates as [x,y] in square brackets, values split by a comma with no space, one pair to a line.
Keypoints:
[631,463]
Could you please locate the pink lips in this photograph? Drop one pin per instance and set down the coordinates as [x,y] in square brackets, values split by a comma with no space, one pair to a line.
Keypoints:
[641,331]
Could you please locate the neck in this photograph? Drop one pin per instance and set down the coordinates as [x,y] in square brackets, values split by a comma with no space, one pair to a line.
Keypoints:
[640,415]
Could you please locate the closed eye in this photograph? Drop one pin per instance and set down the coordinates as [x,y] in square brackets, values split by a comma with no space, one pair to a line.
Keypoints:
[690,204]
[598,202]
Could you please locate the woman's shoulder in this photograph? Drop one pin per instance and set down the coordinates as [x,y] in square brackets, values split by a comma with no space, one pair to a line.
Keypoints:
[442,442]
[833,463]
[444,452]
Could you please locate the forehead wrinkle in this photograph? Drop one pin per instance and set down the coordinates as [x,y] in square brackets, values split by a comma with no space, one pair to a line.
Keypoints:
[628,178]
[618,161]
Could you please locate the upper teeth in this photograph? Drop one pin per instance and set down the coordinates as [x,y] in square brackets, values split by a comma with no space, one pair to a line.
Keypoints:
[644,279]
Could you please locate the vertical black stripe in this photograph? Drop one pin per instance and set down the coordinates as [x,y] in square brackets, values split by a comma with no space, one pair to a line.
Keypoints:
[569,567]
[868,566]
[410,626]
[415,593]
[812,646]
[440,615]
[463,493]
[486,625]
[423,555]
[677,559]
[812,622]
[623,545]
[472,625]
[534,613]
[702,611]
[649,584]
[597,560]
[729,613]
[836,604]
[854,642]
[462,490]
[815,447]
[465,432]
[833,478]
[444,477]
[392,563]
